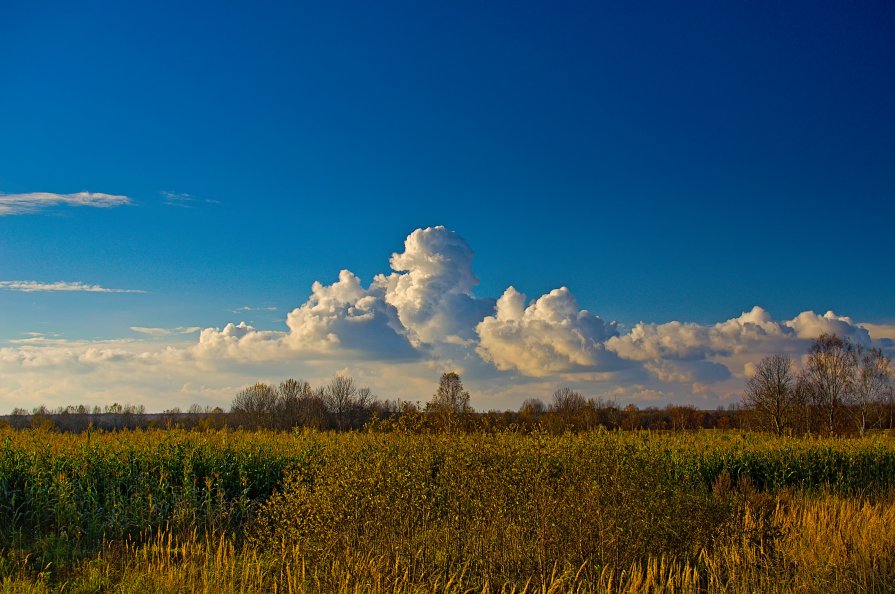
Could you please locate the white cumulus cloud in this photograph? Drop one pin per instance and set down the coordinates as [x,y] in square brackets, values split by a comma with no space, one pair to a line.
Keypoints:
[553,334]
[754,330]
[432,288]
[405,327]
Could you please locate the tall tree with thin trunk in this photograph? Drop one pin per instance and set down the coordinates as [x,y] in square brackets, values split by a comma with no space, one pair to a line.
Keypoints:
[450,404]
[340,398]
[770,392]
[874,370]
[254,407]
[830,372]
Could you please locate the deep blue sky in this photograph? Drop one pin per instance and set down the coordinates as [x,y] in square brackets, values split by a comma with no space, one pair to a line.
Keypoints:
[663,160]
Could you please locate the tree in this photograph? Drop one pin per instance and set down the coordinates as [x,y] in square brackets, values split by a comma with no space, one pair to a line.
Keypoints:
[683,416]
[450,403]
[340,398]
[255,406]
[360,410]
[532,410]
[770,392]
[297,404]
[871,382]
[802,401]
[830,374]
[888,406]
[567,405]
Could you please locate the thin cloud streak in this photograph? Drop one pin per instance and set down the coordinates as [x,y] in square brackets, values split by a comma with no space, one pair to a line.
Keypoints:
[150,331]
[19,204]
[60,286]
[184,200]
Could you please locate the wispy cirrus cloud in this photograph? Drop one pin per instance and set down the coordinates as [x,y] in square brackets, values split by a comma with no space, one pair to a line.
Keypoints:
[184,200]
[250,308]
[19,204]
[30,286]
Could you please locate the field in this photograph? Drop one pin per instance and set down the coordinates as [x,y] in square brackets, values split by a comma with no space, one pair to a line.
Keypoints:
[709,511]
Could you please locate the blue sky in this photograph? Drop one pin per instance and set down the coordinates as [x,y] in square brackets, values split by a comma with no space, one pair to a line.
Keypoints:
[664,161]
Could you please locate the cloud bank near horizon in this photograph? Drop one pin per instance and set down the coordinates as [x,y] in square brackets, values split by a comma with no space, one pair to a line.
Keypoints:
[422,317]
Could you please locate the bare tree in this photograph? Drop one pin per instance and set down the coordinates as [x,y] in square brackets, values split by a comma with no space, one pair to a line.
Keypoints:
[770,392]
[255,406]
[871,381]
[830,373]
[450,403]
[340,397]
[360,410]
[888,414]
[567,405]
[532,410]
[296,404]
[802,402]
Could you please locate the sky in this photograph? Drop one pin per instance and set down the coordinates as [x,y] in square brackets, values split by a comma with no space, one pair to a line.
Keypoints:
[638,200]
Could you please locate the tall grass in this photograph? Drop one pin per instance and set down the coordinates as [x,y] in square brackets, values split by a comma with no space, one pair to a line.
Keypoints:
[318,512]
[827,544]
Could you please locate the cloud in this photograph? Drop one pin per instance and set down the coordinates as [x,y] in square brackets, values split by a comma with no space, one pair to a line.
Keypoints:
[811,325]
[431,288]
[184,200]
[752,331]
[36,286]
[165,331]
[407,325]
[345,316]
[18,204]
[426,306]
[551,335]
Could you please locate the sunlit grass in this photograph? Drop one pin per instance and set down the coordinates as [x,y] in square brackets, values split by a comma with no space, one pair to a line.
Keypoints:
[164,511]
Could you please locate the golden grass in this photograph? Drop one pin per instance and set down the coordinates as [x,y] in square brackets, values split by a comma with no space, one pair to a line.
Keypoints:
[824,544]
[171,511]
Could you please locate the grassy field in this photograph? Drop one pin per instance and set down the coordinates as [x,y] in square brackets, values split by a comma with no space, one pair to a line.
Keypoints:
[162,511]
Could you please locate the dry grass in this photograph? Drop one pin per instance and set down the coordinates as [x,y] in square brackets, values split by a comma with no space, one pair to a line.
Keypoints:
[826,544]
[404,514]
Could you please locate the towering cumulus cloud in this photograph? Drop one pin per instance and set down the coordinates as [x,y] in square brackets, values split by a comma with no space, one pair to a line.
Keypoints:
[552,334]
[431,288]
[346,316]
[410,323]
[425,302]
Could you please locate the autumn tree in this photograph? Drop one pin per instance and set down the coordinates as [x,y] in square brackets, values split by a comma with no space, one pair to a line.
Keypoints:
[255,406]
[340,397]
[299,405]
[771,393]
[871,382]
[830,374]
[567,405]
[531,411]
[450,404]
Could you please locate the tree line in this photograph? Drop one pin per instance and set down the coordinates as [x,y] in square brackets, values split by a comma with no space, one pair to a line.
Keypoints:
[842,387]
[342,405]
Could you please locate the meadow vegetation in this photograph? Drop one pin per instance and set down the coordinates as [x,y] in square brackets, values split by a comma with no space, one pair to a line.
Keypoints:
[328,489]
[405,511]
